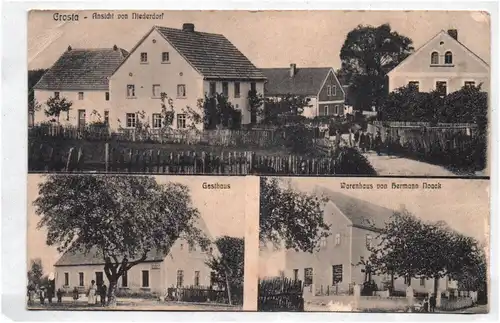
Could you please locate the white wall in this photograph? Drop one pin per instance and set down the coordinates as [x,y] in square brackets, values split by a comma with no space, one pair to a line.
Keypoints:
[92,100]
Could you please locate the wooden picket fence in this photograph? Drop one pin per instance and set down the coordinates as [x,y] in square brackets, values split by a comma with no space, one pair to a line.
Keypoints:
[44,157]
[280,294]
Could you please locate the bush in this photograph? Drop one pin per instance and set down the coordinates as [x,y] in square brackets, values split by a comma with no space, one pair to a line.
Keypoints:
[349,160]
[368,288]
[298,138]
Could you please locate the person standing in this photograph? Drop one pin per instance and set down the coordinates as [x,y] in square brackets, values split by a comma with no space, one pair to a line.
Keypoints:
[356,138]
[337,139]
[432,303]
[50,292]
[59,294]
[76,294]
[426,305]
[92,293]
[388,142]
[378,143]
[362,141]
[41,295]
[103,291]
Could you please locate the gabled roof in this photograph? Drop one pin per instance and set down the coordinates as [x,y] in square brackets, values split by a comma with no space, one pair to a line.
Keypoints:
[442,32]
[82,69]
[361,213]
[306,81]
[211,55]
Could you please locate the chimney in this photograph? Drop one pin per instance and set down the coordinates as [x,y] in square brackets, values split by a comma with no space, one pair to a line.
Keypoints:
[453,33]
[293,69]
[115,47]
[188,27]
[69,48]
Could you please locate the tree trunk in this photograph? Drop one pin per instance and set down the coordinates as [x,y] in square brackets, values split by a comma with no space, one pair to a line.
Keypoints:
[436,285]
[228,287]
[392,283]
[112,293]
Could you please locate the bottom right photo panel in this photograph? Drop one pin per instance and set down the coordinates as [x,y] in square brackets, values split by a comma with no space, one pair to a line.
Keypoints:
[374,245]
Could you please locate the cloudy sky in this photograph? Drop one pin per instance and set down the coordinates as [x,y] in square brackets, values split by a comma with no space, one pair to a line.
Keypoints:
[267,38]
[222,210]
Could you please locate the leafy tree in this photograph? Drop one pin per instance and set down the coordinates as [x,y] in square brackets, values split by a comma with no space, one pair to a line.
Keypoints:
[120,218]
[220,113]
[33,77]
[255,104]
[228,266]
[35,273]
[56,106]
[367,55]
[290,217]
[285,107]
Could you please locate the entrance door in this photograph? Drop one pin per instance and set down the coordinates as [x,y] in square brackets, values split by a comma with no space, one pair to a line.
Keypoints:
[81,118]
[99,278]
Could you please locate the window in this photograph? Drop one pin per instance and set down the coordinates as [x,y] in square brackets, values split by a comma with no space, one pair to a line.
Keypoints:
[441,87]
[180,278]
[181,121]
[337,239]
[156,91]
[165,57]
[469,84]
[415,85]
[81,117]
[236,89]
[422,281]
[144,57]
[323,110]
[322,242]
[81,280]
[334,90]
[434,58]
[125,279]
[448,58]
[225,89]
[99,278]
[131,91]
[106,117]
[295,274]
[131,119]
[145,278]
[31,118]
[106,95]
[337,109]
[56,95]
[192,247]
[181,91]
[80,95]
[369,239]
[197,278]
[66,279]
[407,280]
[337,273]
[328,90]
[253,87]
[156,120]
[308,276]
[213,88]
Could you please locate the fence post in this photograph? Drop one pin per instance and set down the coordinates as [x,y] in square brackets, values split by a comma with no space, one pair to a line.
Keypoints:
[106,156]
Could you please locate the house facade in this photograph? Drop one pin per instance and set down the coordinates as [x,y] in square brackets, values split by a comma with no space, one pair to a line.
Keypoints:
[337,265]
[186,65]
[443,64]
[82,77]
[319,84]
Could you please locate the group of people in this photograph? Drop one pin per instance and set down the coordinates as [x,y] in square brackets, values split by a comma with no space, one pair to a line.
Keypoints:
[46,294]
[429,304]
[95,290]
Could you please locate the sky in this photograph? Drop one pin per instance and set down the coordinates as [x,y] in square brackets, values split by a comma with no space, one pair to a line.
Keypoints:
[267,38]
[223,211]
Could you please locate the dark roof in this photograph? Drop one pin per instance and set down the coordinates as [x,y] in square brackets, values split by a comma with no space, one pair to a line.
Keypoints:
[306,81]
[212,55]
[82,69]
[361,213]
[75,258]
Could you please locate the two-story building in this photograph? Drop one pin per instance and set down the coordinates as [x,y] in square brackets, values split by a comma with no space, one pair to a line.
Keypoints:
[318,84]
[444,64]
[186,65]
[337,265]
[184,266]
[82,77]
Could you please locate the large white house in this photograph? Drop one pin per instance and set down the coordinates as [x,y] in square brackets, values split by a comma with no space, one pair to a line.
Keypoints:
[443,63]
[183,63]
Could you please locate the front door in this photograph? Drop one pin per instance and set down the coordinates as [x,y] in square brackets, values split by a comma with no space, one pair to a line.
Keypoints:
[81,118]
[99,278]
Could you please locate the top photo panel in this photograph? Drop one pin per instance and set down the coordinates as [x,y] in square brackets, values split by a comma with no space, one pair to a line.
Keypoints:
[312,93]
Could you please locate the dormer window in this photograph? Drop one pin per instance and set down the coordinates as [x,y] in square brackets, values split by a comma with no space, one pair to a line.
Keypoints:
[448,58]
[144,57]
[434,58]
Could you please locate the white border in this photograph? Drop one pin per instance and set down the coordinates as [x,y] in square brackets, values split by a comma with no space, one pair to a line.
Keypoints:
[14,162]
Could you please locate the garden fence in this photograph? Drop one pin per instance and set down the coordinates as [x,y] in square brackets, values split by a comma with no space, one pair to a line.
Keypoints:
[280,294]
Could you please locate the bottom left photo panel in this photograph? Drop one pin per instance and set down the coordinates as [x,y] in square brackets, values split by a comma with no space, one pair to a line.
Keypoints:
[121,242]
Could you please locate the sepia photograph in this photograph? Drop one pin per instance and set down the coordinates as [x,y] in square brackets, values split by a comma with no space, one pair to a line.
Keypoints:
[366,245]
[122,242]
[368,93]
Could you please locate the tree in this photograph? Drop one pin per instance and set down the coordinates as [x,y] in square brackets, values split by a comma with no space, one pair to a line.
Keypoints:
[120,218]
[220,113]
[255,105]
[290,217]
[287,106]
[228,266]
[35,273]
[56,106]
[367,55]
[33,77]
